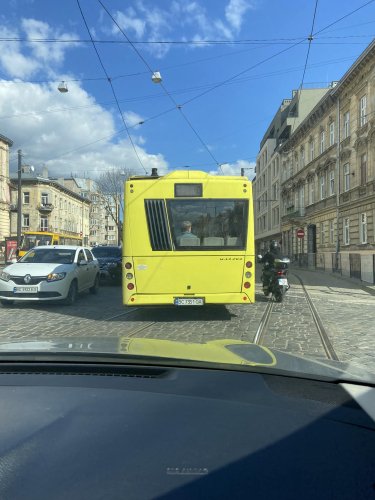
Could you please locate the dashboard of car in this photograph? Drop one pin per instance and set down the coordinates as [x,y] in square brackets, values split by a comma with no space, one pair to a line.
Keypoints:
[139,432]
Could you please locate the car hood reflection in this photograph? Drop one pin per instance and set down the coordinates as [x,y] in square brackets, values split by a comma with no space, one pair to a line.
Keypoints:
[221,353]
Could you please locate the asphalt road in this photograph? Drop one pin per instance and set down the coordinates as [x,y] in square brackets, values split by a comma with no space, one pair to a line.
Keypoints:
[345,309]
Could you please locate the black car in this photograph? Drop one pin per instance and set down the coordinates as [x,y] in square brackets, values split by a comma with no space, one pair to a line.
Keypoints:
[110,262]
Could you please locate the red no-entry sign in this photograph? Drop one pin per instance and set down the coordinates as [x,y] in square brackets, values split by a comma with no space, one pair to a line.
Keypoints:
[300,233]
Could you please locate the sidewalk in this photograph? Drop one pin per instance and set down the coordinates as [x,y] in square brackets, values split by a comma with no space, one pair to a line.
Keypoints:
[315,277]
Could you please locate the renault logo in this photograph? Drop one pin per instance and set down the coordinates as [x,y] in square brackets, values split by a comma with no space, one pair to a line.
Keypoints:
[27,279]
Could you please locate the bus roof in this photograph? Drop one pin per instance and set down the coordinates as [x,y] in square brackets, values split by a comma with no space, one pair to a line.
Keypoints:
[191,175]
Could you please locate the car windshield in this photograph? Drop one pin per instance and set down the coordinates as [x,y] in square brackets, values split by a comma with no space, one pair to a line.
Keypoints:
[106,252]
[212,163]
[48,256]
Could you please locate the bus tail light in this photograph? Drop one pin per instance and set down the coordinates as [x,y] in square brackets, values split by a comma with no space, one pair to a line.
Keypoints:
[246,284]
[128,265]
[248,275]
[249,264]
[130,286]
[129,276]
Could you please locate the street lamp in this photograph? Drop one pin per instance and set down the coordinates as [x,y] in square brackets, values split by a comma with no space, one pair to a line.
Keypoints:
[63,88]
[156,77]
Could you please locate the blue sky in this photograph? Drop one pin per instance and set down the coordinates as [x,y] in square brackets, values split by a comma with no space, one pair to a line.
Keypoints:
[205,44]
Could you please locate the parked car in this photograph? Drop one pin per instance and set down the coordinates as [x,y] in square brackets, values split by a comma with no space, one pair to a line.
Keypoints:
[48,273]
[110,262]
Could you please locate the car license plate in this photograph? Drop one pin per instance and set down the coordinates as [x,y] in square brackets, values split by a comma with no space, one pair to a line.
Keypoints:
[188,302]
[25,289]
[283,281]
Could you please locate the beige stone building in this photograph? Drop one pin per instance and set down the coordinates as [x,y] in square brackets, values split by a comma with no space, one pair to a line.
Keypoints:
[103,228]
[267,182]
[49,206]
[5,144]
[328,177]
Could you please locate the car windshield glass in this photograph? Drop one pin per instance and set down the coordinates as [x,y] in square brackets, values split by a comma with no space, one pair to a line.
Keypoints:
[106,252]
[180,187]
[48,256]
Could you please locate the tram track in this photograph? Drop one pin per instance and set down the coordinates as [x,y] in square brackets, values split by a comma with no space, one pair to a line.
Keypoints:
[321,331]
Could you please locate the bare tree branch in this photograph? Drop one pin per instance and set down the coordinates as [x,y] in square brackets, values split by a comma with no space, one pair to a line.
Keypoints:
[111,191]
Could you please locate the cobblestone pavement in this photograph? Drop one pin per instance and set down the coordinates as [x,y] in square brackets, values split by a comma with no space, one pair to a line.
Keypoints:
[347,312]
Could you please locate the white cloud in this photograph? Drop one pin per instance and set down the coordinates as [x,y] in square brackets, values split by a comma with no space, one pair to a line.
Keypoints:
[235,168]
[14,63]
[133,119]
[46,134]
[47,52]
[235,11]
[40,56]
[180,21]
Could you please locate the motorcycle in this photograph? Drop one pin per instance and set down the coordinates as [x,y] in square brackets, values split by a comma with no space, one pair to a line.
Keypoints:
[274,278]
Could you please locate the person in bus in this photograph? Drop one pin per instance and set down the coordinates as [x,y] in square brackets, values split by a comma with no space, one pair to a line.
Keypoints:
[186,230]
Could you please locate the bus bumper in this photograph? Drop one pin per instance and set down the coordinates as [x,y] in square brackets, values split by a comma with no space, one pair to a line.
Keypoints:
[169,300]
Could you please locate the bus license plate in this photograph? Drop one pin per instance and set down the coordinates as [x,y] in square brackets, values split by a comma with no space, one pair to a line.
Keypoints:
[188,302]
[25,289]
[283,282]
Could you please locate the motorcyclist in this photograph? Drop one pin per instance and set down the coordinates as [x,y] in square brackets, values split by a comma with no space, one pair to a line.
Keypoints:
[272,254]
[268,261]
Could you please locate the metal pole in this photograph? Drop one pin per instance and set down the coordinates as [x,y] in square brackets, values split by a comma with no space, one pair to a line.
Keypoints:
[19,201]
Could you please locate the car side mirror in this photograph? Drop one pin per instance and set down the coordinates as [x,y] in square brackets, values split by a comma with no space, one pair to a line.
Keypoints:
[259,258]
[82,263]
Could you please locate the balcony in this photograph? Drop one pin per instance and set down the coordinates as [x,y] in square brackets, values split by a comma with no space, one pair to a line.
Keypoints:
[45,207]
[293,213]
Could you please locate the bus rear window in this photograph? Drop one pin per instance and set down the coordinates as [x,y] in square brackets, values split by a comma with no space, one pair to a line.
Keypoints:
[208,224]
[35,240]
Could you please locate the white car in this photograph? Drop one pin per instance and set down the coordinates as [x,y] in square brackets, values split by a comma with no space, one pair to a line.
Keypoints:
[47,273]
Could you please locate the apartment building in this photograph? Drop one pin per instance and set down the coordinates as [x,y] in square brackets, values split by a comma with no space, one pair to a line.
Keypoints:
[328,177]
[267,182]
[5,144]
[50,206]
[104,211]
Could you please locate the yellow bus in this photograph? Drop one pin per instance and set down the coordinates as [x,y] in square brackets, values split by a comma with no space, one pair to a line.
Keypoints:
[31,239]
[188,240]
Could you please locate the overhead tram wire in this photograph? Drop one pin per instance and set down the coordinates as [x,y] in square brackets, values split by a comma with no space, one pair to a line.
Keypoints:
[310,39]
[177,106]
[112,88]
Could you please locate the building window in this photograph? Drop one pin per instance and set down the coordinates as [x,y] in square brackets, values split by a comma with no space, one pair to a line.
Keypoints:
[44,198]
[275,191]
[311,150]
[331,231]
[110,228]
[25,220]
[43,223]
[332,182]
[312,192]
[26,197]
[363,228]
[346,177]
[322,186]
[110,237]
[346,124]
[363,168]
[302,156]
[322,233]
[322,141]
[362,111]
[346,237]
[332,133]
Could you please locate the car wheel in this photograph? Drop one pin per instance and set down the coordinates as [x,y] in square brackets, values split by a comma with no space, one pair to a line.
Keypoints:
[6,303]
[72,294]
[94,289]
